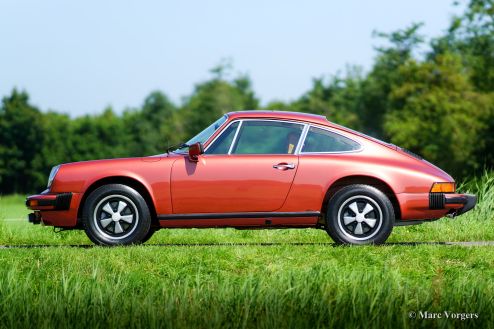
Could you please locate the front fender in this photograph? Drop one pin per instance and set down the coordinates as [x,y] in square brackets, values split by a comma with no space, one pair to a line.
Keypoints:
[154,176]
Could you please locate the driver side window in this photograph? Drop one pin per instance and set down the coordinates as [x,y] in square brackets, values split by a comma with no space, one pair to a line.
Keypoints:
[258,137]
[267,137]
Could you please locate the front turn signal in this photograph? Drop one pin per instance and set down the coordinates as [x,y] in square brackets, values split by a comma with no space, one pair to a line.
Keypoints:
[443,188]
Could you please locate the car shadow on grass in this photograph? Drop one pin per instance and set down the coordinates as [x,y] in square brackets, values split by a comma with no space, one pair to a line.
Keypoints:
[254,244]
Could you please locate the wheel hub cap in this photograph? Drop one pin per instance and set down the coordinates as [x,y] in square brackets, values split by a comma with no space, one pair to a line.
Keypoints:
[360,217]
[116,216]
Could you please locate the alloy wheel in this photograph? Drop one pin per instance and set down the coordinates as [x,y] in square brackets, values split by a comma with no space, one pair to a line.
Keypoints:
[360,217]
[116,216]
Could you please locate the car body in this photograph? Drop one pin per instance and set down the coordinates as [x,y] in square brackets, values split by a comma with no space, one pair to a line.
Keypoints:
[253,169]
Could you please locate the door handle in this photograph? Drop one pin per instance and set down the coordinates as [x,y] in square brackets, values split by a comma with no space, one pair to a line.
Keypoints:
[284,166]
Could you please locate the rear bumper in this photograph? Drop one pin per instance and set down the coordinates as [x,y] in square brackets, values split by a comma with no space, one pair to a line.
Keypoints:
[431,206]
[458,203]
[467,200]
[416,209]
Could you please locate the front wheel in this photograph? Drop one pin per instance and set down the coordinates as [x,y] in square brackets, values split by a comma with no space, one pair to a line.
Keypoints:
[150,234]
[359,214]
[116,214]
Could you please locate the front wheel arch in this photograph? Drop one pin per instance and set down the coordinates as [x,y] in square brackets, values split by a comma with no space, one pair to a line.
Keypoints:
[123,180]
[116,214]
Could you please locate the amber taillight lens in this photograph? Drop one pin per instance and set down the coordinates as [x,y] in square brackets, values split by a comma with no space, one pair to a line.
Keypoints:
[444,187]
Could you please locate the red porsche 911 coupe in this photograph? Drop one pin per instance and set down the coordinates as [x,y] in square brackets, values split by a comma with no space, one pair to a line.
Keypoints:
[253,169]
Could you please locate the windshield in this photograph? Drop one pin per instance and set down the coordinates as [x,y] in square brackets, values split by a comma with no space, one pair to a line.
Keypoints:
[204,135]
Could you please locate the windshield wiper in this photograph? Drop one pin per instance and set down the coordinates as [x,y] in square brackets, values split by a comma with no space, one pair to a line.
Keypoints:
[176,147]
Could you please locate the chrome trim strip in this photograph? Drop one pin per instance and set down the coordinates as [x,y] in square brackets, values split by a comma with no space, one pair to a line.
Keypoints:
[336,152]
[221,133]
[301,140]
[235,137]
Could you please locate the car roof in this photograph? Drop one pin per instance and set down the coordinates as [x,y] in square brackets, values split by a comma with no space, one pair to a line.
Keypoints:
[284,115]
[304,117]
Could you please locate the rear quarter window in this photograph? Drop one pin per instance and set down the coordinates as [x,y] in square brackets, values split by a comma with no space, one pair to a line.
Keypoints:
[323,141]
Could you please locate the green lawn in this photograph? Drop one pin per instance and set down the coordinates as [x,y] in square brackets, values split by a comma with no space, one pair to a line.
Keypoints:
[216,278]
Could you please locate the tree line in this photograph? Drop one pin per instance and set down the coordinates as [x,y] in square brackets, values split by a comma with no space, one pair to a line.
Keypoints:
[438,104]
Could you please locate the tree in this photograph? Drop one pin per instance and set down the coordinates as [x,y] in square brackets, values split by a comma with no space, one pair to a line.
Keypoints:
[213,98]
[339,99]
[384,74]
[471,36]
[99,137]
[435,112]
[153,127]
[57,144]
[21,139]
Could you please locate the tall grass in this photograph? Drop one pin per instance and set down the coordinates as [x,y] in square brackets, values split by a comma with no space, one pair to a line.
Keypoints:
[238,287]
[483,187]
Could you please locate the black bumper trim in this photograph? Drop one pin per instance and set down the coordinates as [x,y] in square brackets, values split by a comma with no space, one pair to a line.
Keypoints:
[471,201]
[61,202]
[456,200]
[436,200]
[440,200]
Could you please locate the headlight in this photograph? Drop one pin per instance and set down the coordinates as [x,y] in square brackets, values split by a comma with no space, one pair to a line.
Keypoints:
[53,173]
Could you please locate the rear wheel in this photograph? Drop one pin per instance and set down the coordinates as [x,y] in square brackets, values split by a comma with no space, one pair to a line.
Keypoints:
[116,214]
[359,214]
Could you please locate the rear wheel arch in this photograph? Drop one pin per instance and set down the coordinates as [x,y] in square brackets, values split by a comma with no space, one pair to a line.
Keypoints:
[124,180]
[362,180]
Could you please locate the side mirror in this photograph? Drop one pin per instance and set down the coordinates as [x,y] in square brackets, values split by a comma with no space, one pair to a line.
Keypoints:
[195,150]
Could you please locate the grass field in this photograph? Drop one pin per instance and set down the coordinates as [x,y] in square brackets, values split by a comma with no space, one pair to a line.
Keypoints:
[216,278]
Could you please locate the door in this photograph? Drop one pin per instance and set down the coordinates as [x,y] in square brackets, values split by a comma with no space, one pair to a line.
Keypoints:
[249,168]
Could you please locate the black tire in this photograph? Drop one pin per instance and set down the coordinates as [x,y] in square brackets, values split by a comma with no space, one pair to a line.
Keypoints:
[116,214]
[359,214]
[148,236]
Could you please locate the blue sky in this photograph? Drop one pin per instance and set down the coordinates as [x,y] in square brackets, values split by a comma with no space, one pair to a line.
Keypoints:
[81,56]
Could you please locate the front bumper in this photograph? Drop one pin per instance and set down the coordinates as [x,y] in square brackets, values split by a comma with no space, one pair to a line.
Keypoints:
[55,209]
[60,201]
[46,202]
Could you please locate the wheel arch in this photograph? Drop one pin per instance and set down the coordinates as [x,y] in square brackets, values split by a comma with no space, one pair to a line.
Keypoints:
[124,180]
[365,180]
